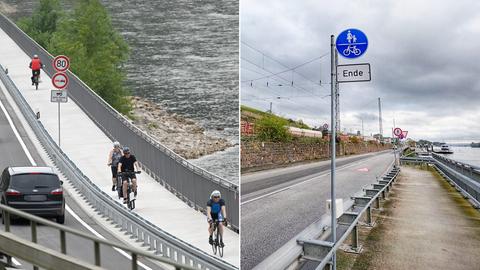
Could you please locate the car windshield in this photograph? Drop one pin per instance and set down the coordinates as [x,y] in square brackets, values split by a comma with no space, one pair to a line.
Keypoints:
[22,181]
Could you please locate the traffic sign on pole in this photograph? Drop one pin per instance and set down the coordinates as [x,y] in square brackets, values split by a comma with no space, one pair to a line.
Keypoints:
[397,132]
[60,80]
[325,126]
[354,73]
[351,43]
[61,63]
[404,134]
[59,96]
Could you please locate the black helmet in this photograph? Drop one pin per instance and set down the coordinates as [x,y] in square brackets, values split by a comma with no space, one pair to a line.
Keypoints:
[126,149]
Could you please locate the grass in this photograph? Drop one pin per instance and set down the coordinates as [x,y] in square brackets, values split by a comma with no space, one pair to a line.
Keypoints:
[261,114]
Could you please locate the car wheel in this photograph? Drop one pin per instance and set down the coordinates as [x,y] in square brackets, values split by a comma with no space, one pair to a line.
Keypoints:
[61,219]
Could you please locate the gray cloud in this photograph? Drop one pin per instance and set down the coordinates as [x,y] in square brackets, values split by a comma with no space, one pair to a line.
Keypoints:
[424,57]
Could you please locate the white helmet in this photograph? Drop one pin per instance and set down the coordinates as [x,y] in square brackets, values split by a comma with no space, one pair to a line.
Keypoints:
[35,56]
[215,193]
[116,144]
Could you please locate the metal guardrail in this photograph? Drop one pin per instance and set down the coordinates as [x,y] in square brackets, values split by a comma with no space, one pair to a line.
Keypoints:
[465,177]
[187,181]
[159,241]
[29,251]
[322,251]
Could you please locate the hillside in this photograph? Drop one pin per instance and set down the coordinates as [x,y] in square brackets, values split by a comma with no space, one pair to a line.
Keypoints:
[249,114]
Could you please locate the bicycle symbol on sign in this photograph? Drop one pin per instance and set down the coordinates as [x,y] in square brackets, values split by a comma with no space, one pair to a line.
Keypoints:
[351,39]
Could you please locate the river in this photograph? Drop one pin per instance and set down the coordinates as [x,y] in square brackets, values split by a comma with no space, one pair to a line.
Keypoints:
[184,56]
[465,154]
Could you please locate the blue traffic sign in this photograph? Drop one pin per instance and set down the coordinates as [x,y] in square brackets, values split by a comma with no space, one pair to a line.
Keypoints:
[351,43]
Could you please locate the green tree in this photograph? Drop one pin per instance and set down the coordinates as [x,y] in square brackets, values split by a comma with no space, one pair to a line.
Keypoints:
[43,22]
[271,128]
[97,52]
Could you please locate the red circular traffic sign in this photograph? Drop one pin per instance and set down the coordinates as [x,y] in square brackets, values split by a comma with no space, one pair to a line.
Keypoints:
[60,80]
[61,63]
[325,126]
[397,132]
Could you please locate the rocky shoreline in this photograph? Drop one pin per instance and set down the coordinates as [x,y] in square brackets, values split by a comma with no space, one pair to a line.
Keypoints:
[181,135]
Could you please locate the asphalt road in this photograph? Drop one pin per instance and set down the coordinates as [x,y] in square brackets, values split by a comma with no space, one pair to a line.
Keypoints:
[14,155]
[273,212]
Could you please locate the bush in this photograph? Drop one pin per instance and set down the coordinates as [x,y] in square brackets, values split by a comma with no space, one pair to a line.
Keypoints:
[270,128]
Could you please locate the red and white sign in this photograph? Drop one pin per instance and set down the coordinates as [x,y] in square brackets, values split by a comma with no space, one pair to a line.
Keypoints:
[60,80]
[325,126]
[404,134]
[61,63]
[397,132]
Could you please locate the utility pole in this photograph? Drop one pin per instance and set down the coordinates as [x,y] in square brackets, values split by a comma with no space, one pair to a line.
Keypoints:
[362,129]
[333,202]
[380,119]
[270,107]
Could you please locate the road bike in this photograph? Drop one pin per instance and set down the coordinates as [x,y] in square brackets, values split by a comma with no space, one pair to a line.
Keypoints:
[36,79]
[130,193]
[217,244]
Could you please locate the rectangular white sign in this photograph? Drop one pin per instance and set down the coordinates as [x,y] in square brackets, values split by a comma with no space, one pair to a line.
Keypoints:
[59,96]
[354,73]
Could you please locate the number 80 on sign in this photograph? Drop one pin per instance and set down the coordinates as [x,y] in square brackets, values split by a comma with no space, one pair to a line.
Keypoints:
[61,63]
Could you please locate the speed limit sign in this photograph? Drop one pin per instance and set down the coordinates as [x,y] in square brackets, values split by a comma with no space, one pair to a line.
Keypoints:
[61,63]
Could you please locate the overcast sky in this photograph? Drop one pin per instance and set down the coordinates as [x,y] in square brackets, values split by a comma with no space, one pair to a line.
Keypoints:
[424,55]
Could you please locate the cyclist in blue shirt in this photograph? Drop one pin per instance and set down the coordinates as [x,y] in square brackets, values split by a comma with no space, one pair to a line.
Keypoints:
[216,211]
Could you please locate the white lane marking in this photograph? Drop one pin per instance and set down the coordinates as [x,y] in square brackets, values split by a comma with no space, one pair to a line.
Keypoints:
[125,254]
[24,147]
[307,180]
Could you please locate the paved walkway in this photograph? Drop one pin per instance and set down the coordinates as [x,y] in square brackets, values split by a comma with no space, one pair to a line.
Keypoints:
[427,225]
[88,147]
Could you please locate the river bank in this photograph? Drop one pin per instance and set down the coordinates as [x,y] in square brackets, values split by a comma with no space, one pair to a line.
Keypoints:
[182,135]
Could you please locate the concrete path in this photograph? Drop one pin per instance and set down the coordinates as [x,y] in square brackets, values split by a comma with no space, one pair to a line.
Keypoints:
[427,225]
[88,147]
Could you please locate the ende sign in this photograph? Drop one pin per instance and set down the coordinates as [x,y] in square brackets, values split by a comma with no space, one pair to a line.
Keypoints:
[353,73]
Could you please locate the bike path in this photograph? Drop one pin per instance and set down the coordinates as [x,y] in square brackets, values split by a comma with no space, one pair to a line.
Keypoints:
[426,224]
[87,146]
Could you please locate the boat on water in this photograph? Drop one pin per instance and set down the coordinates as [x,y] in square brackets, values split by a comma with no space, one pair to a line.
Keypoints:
[475,145]
[445,149]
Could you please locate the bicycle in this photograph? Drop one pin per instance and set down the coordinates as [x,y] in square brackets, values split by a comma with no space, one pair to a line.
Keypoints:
[130,193]
[36,79]
[351,49]
[217,238]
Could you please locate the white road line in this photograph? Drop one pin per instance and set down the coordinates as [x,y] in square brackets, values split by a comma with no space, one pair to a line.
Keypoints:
[32,161]
[24,147]
[307,180]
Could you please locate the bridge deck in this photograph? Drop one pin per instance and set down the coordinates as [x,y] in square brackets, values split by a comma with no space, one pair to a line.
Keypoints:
[88,147]
[427,225]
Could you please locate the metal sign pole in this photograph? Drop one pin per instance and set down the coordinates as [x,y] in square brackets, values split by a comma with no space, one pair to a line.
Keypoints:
[333,201]
[58,122]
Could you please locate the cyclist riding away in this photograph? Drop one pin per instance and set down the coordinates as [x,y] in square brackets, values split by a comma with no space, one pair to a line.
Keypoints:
[113,159]
[128,163]
[35,65]
[216,211]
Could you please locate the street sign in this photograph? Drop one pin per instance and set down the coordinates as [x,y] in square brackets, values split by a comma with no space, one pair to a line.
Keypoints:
[397,132]
[354,73]
[351,43]
[325,126]
[60,80]
[61,63]
[59,96]
[404,134]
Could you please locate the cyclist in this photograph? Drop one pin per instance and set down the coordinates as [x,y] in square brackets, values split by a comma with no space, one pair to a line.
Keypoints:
[216,211]
[35,65]
[113,159]
[128,163]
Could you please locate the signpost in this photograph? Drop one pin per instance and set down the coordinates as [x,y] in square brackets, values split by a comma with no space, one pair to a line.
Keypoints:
[354,73]
[397,132]
[325,126]
[351,43]
[61,64]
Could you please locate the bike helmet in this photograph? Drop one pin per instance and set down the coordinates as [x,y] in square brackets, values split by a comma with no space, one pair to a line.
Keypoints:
[126,149]
[35,56]
[116,144]
[215,193]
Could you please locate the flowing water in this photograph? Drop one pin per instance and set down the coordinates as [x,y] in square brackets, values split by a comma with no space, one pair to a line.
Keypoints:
[465,154]
[184,56]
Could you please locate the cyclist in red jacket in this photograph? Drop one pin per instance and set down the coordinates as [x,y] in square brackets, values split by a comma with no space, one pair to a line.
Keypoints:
[35,65]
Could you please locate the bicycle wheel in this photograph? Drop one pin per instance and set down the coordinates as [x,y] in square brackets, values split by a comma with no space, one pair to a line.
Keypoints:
[346,52]
[36,85]
[219,241]
[214,236]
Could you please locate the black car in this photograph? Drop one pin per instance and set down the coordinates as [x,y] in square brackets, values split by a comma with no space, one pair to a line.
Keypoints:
[35,190]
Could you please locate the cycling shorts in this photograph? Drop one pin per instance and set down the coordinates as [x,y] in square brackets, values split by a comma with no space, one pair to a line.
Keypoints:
[217,216]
